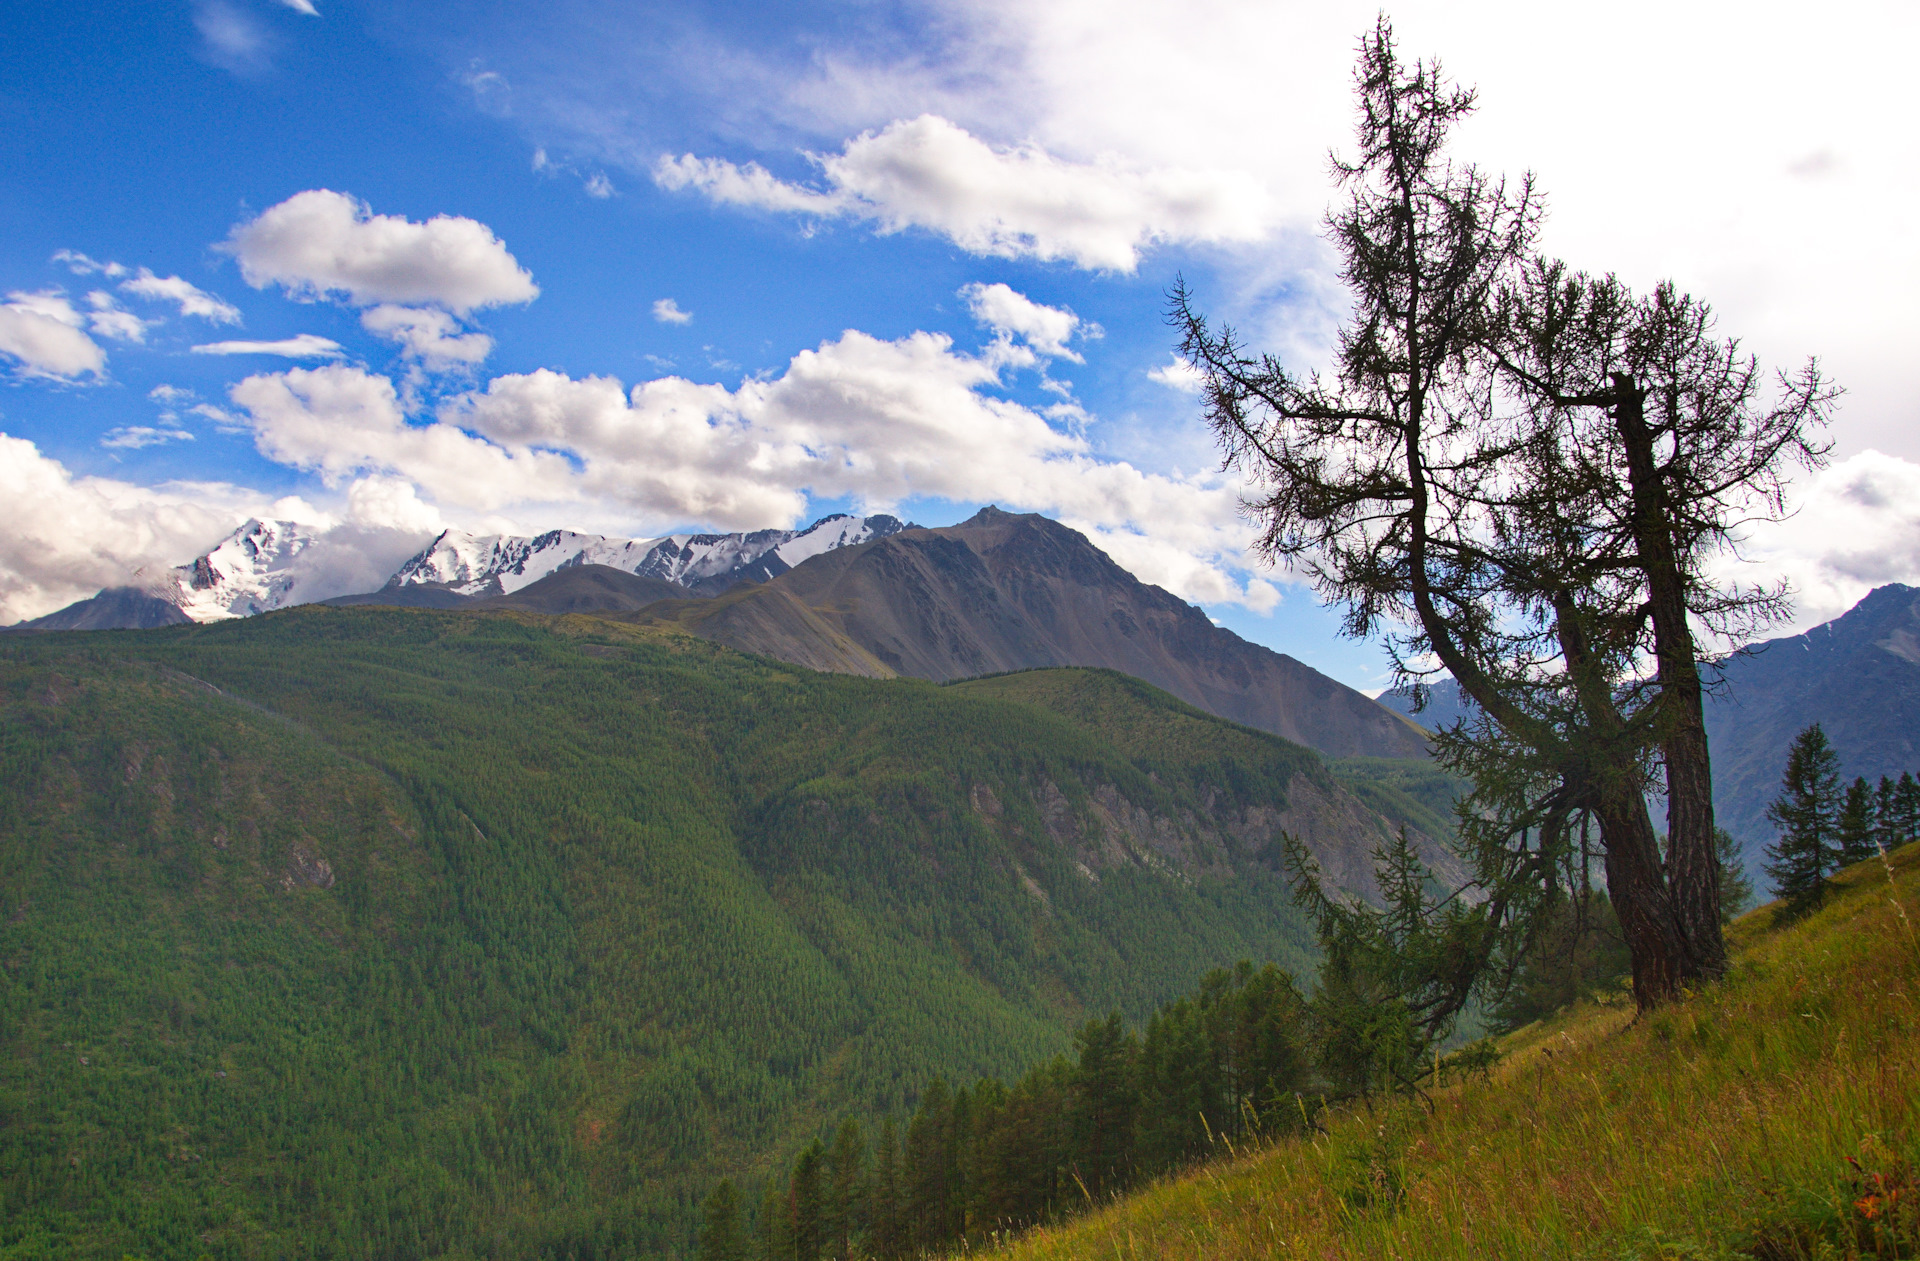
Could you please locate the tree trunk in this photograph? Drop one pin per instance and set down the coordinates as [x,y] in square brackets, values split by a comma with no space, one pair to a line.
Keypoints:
[1640,897]
[1636,882]
[1693,864]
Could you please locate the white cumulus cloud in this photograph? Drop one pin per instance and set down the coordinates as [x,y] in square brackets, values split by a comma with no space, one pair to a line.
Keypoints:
[391,503]
[109,319]
[81,265]
[1019,202]
[429,335]
[1178,375]
[321,243]
[191,299]
[301,346]
[667,311]
[133,437]
[860,417]
[69,536]
[42,332]
[1856,527]
[1011,314]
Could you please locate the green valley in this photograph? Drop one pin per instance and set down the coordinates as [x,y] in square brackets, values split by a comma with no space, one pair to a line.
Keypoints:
[371,932]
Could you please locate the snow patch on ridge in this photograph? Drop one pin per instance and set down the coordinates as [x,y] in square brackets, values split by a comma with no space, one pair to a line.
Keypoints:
[493,564]
[268,565]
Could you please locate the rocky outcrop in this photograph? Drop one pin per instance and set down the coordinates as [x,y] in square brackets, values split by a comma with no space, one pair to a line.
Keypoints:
[1109,831]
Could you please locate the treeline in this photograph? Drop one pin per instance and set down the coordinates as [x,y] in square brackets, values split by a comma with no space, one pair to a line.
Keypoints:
[1824,828]
[1238,1059]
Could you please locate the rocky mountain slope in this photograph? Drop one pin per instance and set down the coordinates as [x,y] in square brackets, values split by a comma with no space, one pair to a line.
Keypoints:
[1007,591]
[1858,676]
[116,608]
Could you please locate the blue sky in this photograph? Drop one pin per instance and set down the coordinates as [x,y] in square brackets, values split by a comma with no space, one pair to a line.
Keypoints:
[912,257]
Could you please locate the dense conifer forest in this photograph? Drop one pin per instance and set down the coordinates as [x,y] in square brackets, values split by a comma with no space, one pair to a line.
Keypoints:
[382,933]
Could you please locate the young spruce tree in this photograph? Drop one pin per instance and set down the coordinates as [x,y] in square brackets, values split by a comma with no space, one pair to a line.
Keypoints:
[721,1238]
[840,1217]
[1886,814]
[1807,812]
[1857,823]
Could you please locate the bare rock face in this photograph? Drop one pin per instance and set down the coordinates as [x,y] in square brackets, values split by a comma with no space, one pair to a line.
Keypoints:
[1012,592]
[1112,832]
[1858,676]
[305,869]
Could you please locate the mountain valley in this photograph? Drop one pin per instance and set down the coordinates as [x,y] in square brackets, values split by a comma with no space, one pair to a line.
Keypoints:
[496,933]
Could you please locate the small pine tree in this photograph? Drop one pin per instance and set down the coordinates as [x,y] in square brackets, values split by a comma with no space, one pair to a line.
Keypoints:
[1736,888]
[926,1174]
[776,1223]
[1886,814]
[840,1215]
[1807,814]
[805,1198]
[1857,822]
[721,1238]
[884,1239]
[1104,1102]
[1907,798]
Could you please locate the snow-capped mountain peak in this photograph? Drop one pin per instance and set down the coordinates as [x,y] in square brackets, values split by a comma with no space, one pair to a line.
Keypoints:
[267,565]
[253,570]
[491,564]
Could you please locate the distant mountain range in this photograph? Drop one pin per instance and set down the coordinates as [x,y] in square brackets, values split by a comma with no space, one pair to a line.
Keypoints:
[1858,676]
[705,564]
[268,565]
[869,596]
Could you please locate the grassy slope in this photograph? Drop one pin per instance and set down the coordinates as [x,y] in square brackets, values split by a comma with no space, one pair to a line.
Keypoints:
[1750,1121]
[605,911]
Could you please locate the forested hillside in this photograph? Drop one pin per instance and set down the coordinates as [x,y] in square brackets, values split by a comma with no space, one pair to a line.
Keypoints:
[374,932]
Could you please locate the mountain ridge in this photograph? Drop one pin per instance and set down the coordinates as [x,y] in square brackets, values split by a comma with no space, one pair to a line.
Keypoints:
[1005,591]
[868,596]
[264,565]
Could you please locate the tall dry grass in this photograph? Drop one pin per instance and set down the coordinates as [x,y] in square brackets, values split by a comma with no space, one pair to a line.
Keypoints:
[1771,1116]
